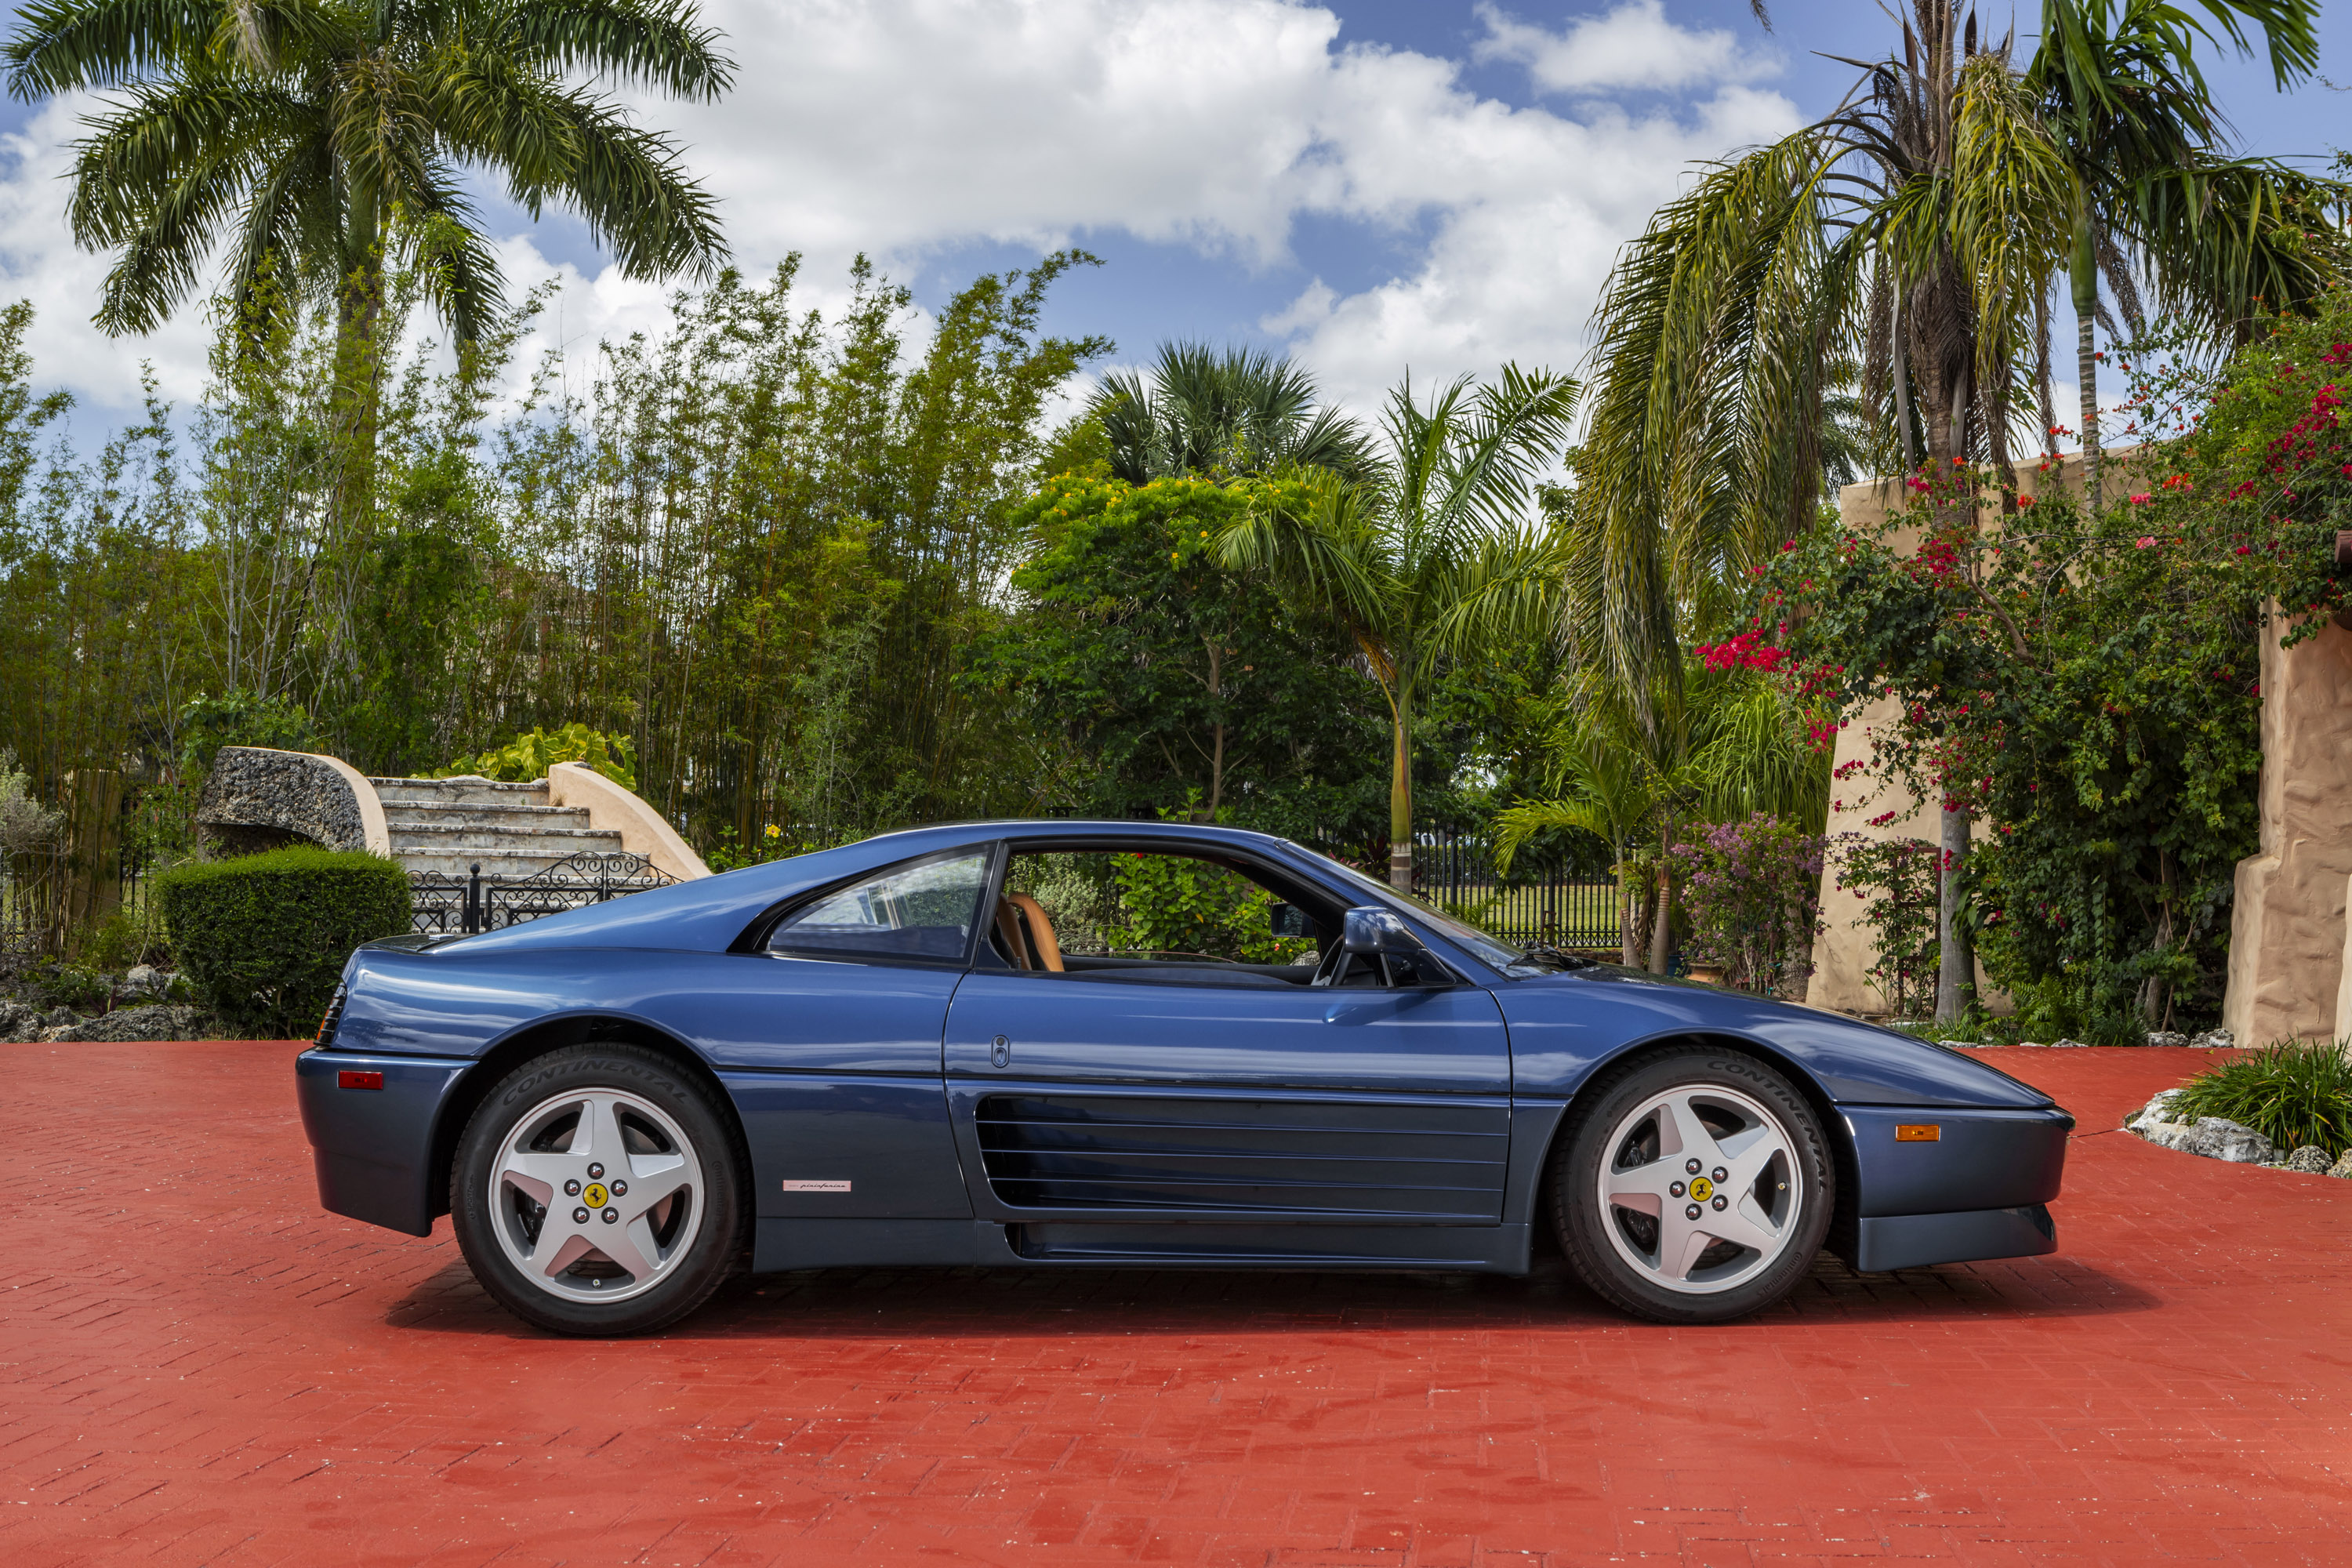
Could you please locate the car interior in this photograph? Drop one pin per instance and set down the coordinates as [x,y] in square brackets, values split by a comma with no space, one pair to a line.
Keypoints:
[1142,914]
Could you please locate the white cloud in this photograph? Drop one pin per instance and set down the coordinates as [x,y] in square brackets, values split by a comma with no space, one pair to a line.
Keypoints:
[1631,46]
[907,128]
[40,263]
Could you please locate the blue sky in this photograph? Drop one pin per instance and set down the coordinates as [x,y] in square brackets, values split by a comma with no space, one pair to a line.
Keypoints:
[1375,186]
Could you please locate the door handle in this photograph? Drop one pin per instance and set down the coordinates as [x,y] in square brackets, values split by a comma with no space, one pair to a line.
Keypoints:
[1001,1052]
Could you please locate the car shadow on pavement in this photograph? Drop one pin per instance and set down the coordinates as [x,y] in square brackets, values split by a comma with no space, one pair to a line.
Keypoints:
[870,1303]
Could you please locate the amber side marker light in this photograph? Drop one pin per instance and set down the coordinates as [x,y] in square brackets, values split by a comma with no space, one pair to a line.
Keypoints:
[351,1079]
[1918,1132]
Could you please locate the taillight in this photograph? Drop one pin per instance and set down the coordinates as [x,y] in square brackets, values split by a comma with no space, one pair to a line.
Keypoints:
[334,1017]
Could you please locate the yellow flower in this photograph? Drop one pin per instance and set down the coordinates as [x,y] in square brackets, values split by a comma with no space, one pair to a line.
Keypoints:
[773,832]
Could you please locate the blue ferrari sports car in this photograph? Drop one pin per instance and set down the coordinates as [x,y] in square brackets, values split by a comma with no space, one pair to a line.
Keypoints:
[956,1046]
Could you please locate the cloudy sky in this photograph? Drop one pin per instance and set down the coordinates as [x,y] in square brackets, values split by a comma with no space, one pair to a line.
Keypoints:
[1375,186]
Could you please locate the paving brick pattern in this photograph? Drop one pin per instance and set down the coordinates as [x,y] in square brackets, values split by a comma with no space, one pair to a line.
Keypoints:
[198,1366]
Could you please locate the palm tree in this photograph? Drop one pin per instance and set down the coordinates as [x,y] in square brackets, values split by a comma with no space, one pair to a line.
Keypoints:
[1243,411]
[1717,747]
[315,138]
[1434,552]
[1903,247]
[2119,84]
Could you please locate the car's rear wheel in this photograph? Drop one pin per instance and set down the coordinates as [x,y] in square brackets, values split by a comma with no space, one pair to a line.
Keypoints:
[1696,1186]
[595,1192]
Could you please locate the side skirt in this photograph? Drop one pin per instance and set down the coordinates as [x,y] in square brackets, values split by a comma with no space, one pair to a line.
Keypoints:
[783,1244]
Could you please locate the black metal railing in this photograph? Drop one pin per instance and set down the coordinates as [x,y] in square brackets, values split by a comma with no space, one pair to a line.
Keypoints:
[1456,872]
[441,904]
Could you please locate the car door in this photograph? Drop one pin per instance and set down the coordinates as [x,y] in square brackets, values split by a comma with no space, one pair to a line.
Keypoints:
[1093,1099]
[828,1041]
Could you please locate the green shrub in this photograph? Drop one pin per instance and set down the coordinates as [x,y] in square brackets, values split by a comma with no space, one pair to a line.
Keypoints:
[526,758]
[1173,903]
[264,937]
[2292,1095]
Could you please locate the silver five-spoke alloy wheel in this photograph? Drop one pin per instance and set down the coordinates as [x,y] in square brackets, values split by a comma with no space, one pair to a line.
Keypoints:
[1700,1188]
[596,1195]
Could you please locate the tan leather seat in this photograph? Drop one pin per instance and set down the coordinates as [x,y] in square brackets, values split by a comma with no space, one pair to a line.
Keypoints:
[1027,929]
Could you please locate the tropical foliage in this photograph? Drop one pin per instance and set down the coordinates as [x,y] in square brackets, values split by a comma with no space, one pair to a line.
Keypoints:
[1753,890]
[1435,556]
[1201,411]
[529,756]
[2091,685]
[1905,247]
[759,545]
[312,140]
[2293,1095]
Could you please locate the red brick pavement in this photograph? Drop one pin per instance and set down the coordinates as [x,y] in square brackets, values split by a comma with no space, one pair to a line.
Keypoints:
[198,1366]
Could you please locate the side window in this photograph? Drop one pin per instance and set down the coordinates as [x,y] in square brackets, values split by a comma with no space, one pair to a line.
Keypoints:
[923,909]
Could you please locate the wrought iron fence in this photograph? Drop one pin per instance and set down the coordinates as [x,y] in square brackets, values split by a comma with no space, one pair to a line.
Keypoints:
[28,899]
[1456,872]
[442,904]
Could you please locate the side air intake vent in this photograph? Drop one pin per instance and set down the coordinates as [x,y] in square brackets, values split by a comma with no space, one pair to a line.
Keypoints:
[1274,1156]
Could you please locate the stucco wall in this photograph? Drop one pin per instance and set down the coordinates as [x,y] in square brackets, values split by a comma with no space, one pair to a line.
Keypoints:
[2287,926]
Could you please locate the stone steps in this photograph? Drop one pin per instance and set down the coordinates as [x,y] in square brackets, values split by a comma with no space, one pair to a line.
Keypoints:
[439,793]
[487,818]
[509,830]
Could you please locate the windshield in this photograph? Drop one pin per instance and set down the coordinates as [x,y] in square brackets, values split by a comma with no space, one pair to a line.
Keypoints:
[1492,950]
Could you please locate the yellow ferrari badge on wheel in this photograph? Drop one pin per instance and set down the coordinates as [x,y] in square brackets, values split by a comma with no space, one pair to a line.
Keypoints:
[1701,1189]
[594,1197]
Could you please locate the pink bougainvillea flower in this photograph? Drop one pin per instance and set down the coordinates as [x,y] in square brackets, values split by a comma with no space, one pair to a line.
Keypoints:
[2144,543]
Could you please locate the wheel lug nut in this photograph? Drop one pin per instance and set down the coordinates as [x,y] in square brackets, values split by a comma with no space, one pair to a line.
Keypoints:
[1691,1166]
[572,1189]
[594,1171]
[1691,1213]
[1722,1204]
[1721,1174]
[612,1216]
[579,1216]
[1675,1191]
[620,1189]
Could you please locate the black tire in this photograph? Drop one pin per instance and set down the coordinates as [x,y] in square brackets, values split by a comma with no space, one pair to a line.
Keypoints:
[664,1118]
[1602,1239]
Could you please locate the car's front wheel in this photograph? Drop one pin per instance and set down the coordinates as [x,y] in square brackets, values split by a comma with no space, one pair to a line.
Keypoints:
[594,1192]
[1696,1186]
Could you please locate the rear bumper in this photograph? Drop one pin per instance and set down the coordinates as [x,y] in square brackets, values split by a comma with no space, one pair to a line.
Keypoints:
[373,1148]
[1915,1240]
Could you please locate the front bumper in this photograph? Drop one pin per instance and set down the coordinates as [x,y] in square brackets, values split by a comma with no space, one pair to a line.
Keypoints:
[1915,1240]
[1980,1187]
[373,1148]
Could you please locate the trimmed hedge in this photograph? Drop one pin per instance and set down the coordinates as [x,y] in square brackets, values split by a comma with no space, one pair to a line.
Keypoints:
[264,937]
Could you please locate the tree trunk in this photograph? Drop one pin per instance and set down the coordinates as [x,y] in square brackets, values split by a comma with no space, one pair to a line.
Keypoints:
[1626,918]
[1956,968]
[2084,276]
[1401,793]
[2155,994]
[1660,926]
[1217,742]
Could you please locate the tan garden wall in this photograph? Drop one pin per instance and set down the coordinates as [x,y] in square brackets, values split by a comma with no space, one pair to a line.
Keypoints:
[2286,926]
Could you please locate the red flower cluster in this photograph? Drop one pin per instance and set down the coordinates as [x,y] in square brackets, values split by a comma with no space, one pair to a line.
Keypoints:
[1748,650]
[1939,557]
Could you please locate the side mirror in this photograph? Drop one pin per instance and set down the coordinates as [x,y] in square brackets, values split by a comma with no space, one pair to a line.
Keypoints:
[1374,930]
